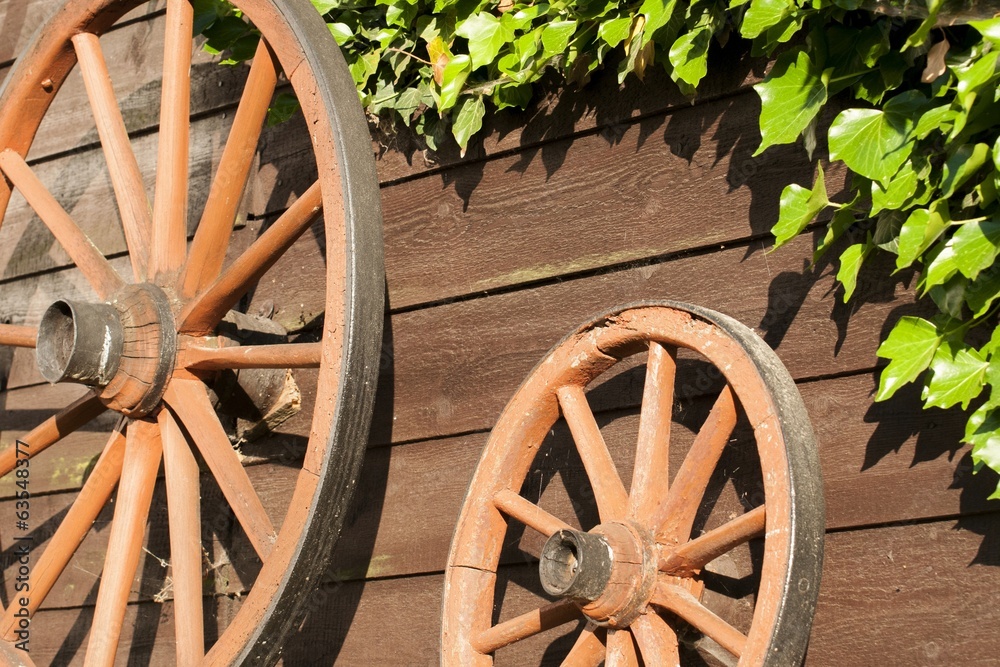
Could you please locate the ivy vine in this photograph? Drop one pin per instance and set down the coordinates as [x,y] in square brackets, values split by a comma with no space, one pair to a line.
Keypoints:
[919,129]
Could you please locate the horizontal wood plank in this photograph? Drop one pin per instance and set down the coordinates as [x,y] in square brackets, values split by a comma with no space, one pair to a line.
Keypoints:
[20,20]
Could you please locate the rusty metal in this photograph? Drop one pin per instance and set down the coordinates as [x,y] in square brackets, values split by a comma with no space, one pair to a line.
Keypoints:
[639,572]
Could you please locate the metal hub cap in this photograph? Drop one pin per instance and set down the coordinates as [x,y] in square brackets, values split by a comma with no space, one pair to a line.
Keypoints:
[610,572]
[126,349]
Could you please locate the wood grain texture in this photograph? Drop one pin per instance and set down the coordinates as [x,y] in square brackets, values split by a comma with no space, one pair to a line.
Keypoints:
[19,19]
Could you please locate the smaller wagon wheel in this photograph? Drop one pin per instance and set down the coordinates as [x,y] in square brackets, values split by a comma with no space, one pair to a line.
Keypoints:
[636,580]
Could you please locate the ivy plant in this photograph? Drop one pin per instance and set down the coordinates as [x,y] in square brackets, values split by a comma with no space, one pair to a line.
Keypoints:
[918,129]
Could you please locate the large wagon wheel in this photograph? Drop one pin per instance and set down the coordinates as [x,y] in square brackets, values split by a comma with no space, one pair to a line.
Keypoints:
[149,347]
[636,581]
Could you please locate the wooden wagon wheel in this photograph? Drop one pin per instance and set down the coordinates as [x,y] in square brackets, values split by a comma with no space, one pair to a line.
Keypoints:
[635,580]
[149,346]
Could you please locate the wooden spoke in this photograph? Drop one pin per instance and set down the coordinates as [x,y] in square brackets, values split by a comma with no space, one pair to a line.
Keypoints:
[692,556]
[80,249]
[52,430]
[657,641]
[527,625]
[171,198]
[208,249]
[17,336]
[588,651]
[621,649]
[652,458]
[74,527]
[135,491]
[184,513]
[204,312]
[292,355]
[608,488]
[680,602]
[126,179]
[528,513]
[189,401]
[675,515]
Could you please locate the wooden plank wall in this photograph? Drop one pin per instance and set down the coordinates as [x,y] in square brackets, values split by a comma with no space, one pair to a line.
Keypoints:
[594,198]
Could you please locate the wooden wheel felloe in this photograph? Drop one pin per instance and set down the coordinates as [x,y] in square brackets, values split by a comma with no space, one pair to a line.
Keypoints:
[150,346]
[639,569]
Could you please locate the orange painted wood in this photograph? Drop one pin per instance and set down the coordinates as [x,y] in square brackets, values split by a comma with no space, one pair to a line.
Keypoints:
[170,202]
[588,650]
[205,311]
[72,529]
[609,491]
[81,249]
[17,336]
[189,401]
[184,510]
[651,472]
[208,250]
[528,513]
[291,355]
[621,649]
[692,556]
[679,601]
[656,639]
[126,179]
[676,512]
[142,460]
[527,625]
[52,430]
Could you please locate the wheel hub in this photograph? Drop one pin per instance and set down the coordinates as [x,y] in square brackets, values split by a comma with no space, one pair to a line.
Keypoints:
[610,572]
[125,349]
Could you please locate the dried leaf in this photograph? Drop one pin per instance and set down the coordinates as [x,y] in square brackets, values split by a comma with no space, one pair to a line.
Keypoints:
[935,61]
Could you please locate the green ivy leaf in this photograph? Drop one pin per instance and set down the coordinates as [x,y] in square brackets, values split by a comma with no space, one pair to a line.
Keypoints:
[990,29]
[452,79]
[899,191]
[961,164]
[976,246]
[923,31]
[341,32]
[657,14]
[872,142]
[324,6]
[957,376]
[973,77]
[950,297]
[764,14]
[850,263]
[469,120]
[982,292]
[689,55]
[920,230]
[615,30]
[909,348]
[555,37]
[791,95]
[798,207]
[942,266]
[982,431]
[283,107]
[486,35]
[841,222]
